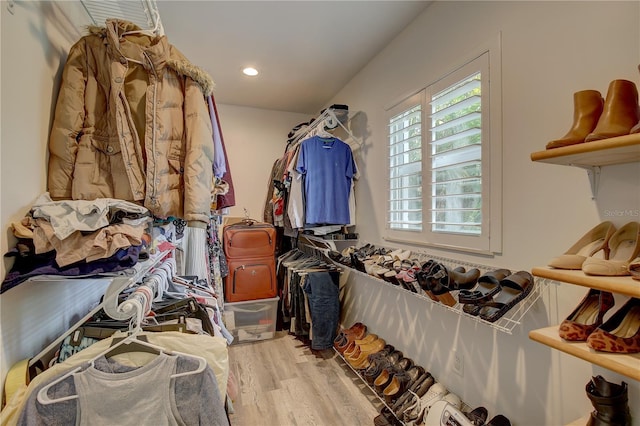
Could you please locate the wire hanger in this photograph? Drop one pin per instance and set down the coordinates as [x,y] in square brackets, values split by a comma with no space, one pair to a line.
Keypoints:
[153,31]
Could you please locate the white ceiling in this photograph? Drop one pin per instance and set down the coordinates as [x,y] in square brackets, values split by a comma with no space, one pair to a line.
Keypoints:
[306,51]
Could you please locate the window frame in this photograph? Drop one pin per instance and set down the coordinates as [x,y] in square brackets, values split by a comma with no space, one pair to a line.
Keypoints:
[489,241]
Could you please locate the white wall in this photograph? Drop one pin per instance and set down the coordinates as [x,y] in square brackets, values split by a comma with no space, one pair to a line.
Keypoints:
[549,51]
[254,139]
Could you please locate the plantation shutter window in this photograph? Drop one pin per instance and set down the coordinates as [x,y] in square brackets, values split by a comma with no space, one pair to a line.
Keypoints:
[445,161]
[456,158]
[405,167]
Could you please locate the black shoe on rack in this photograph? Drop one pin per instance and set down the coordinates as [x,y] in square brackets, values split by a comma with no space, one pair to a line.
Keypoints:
[610,402]
[386,418]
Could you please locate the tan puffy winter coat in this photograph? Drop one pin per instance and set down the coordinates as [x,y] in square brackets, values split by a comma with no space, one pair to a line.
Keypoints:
[132,123]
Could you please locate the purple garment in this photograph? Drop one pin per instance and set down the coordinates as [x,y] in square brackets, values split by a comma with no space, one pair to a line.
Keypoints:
[327,167]
[219,163]
[29,265]
[228,199]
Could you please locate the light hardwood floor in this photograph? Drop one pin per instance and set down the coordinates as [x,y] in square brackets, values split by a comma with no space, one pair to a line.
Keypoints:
[283,382]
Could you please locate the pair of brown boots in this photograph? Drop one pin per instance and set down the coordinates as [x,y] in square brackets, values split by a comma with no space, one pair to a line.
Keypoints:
[595,118]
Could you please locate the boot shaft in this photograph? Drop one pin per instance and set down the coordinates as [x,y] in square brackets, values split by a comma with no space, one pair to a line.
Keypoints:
[610,402]
[587,108]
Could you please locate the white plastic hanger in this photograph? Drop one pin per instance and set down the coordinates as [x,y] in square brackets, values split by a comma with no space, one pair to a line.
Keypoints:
[131,343]
[136,345]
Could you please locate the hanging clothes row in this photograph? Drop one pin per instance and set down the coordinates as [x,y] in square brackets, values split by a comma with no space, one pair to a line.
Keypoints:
[310,297]
[94,369]
[311,187]
[116,381]
[165,301]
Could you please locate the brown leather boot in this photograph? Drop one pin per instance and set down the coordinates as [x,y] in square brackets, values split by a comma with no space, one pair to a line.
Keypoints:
[587,109]
[620,112]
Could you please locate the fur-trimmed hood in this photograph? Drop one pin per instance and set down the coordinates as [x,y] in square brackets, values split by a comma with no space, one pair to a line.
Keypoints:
[175,59]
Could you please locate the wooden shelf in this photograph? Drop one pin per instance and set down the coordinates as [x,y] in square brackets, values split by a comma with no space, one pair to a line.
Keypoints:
[621,285]
[580,422]
[606,152]
[625,364]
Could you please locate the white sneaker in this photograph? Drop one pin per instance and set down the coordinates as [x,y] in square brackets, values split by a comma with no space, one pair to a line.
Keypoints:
[431,415]
[453,399]
[444,413]
[415,413]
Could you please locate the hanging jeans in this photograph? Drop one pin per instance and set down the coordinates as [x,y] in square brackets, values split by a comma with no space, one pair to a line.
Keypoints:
[322,291]
[299,325]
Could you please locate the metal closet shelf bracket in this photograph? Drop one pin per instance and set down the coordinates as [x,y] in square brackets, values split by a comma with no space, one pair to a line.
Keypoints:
[593,172]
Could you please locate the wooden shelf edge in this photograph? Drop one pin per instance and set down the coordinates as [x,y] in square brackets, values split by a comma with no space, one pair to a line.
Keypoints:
[626,364]
[580,422]
[558,155]
[621,285]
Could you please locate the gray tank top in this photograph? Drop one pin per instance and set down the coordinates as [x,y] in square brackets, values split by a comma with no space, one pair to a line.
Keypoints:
[140,396]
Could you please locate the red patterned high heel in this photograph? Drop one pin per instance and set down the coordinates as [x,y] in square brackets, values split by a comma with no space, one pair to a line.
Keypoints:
[621,332]
[587,316]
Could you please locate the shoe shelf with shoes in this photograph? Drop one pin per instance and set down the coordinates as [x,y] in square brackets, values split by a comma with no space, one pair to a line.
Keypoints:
[408,393]
[470,290]
[604,131]
[603,260]
[605,152]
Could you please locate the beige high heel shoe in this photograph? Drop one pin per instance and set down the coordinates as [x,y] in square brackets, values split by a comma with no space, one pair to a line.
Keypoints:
[591,243]
[624,246]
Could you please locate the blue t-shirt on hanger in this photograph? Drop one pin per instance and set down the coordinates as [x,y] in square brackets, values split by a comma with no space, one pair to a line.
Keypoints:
[328,167]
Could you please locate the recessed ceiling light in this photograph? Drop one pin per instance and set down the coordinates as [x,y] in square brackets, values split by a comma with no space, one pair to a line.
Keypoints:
[250,71]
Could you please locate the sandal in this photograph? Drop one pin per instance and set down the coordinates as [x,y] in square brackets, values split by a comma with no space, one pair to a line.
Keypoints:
[488,286]
[514,288]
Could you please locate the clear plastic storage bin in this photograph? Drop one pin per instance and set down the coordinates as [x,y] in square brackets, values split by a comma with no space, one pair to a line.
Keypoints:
[251,320]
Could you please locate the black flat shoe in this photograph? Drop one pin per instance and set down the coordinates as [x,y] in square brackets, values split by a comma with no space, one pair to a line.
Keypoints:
[477,416]
[488,285]
[459,279]
[499,420]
